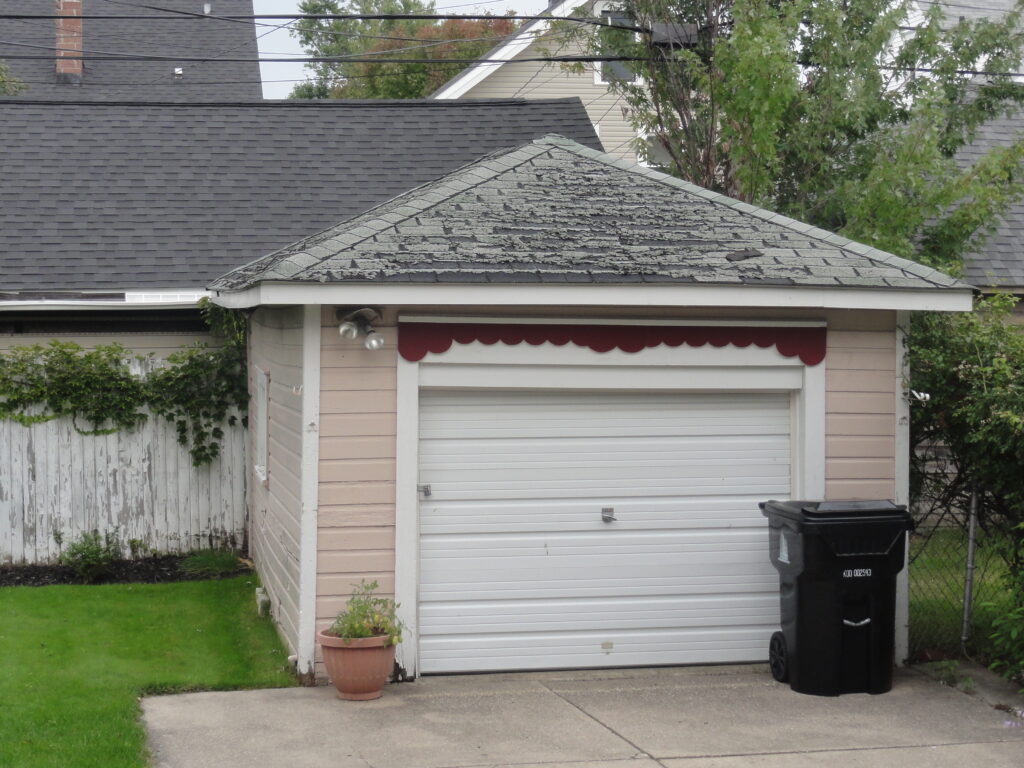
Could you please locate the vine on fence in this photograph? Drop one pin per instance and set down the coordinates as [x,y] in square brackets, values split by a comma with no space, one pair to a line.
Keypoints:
[197,388]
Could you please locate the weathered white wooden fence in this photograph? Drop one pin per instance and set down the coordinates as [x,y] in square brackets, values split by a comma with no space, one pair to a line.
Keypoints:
[138,485]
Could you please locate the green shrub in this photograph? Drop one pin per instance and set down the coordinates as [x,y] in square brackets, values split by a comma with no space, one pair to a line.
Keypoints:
[367,615]
[211,562]
[91,555]
[1008,645]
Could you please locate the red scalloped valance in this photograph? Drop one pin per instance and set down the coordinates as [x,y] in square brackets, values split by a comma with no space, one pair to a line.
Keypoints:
[415,340]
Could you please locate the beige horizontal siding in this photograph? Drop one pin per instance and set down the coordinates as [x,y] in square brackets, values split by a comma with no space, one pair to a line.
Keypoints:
[356,517]
[547,80]
[860,430]
[276,348]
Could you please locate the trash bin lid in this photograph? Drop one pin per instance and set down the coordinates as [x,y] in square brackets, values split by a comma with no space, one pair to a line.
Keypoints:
[836,511]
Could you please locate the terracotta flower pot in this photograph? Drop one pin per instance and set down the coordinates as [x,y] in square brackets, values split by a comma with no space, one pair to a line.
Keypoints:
[359,667]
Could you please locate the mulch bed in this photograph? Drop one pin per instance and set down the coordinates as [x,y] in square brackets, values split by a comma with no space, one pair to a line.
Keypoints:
[147,570]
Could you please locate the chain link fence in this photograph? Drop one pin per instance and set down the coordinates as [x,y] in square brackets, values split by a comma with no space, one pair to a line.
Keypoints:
[939,571]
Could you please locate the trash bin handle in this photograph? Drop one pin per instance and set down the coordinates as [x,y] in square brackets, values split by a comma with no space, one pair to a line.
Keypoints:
[862,623]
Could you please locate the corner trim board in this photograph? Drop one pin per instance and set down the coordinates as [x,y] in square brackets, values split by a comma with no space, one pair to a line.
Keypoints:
[309,488]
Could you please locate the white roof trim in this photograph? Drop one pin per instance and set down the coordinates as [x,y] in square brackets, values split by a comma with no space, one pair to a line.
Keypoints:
[647,295]
[475,74]
[617,321]
[168,299]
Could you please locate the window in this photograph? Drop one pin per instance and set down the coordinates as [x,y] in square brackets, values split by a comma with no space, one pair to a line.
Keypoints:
[615,42]
[260,425]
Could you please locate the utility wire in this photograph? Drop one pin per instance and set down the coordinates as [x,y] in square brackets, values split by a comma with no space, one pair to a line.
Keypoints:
[363,58]
[356,58]
[186,15]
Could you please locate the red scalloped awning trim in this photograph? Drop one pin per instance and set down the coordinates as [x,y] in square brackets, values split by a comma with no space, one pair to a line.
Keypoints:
[415,340]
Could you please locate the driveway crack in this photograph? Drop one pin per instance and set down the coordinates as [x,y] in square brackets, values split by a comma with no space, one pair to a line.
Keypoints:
[640,751]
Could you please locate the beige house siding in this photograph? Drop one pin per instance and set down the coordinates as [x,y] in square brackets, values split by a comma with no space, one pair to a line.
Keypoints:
[276,348]
[356,520]
[545,80]
[860,406]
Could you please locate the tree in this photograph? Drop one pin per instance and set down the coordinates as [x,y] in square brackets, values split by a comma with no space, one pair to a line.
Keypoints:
[8,85]
[838,112]
[392,38]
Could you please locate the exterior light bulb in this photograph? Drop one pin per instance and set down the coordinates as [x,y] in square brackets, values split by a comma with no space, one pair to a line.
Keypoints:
[374,340]
[348,330]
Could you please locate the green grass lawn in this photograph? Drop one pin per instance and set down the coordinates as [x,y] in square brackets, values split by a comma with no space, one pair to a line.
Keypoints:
[936,593]
[74,660]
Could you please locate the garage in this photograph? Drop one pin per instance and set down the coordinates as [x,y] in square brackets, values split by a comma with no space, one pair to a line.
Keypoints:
[591,529]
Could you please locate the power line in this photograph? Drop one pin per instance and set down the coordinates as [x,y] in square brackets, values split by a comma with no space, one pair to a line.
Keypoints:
[188,15]
[356,58]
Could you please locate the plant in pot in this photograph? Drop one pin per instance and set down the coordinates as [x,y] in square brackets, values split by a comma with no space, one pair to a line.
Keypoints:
[359,647]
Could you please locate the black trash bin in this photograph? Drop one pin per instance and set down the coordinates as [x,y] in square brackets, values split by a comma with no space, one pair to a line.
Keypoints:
[837,564]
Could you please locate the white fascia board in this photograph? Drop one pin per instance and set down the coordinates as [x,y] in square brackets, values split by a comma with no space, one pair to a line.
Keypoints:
[461,84]
[534,295]
[132,300]
[616,321]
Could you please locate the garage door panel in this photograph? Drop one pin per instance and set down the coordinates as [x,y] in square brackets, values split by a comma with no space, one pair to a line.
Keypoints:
[517,569]
[551,546]
[572,614]
[664,473]
[540,491]
[597,649]
[745,581]
[491,516]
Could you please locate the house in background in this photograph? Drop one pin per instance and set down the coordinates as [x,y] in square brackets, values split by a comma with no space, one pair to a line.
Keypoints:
[544,80]
[590,375]
[115,213]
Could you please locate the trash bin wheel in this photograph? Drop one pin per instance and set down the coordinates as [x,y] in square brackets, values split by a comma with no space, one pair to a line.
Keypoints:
[777,657]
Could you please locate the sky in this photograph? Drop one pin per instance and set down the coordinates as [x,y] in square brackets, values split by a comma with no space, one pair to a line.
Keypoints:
[279,79]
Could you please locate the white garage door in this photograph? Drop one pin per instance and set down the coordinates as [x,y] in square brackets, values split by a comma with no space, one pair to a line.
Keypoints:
[518,568]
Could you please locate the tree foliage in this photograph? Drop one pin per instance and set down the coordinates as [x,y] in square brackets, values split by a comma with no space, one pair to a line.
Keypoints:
[107,388]
[392,38]
[847,114]
[8,84]
[971,366]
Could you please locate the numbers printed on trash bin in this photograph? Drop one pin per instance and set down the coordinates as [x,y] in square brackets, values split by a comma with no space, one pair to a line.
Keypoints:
[857,573]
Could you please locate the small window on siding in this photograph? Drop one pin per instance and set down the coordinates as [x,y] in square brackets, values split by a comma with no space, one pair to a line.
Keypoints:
[607,71]
[260,424]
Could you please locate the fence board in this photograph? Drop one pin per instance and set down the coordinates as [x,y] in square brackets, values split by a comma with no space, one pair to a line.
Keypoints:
[134,484]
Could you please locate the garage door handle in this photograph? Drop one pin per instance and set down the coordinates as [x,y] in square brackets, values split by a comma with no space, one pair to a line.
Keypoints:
[861,623]
[608,514]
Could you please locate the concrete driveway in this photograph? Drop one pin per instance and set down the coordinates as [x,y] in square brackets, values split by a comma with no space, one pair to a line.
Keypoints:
[695,717]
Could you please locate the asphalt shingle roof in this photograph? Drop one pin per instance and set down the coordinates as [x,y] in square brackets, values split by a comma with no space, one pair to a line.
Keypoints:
[999,262]
[128,196]
[556,211]
[167,34]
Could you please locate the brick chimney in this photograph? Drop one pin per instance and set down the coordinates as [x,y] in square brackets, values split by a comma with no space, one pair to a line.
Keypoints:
[69,41]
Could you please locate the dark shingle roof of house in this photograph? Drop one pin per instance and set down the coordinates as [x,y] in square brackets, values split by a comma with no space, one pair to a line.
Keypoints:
[999,261]
[555,211]
[127,196]
[167,34]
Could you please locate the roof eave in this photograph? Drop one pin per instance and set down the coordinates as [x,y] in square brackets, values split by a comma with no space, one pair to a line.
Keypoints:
[958,299]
